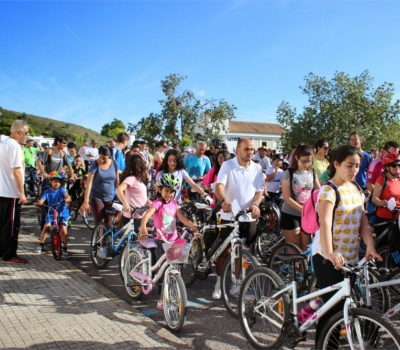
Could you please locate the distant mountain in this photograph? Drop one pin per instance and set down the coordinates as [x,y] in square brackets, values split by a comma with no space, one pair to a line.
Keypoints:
[48,127]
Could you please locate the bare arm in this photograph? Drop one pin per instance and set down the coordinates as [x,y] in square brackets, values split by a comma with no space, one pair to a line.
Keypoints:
[120,193]
[20,184]
[40,166]
[145,219]
[370,187]
[376,196]
[195,186]
[184,220]
[89,183]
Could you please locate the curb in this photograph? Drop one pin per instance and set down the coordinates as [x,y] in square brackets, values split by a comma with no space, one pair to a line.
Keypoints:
[148,322]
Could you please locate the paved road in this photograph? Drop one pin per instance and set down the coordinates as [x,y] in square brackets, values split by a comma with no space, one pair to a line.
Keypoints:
[208,325]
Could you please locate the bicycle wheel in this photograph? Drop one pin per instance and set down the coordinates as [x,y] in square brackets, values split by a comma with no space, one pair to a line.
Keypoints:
[380,297]
[174,302]
[261,324]
[394,290]
[230,288]
[100,245]
[88,219]
[189,270]
[74,209]
[55,242]
[285,270]
[264,244]
[387,260]
[132,287]
[368,331]
[122,260]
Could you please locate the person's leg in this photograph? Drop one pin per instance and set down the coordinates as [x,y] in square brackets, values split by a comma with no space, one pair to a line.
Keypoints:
[159,251]
[305,241]
[43,235]
[326,275]
[97,208]
[32,175]
[107,218]
[290,226]
[10,227]
[224,233]
[3,218]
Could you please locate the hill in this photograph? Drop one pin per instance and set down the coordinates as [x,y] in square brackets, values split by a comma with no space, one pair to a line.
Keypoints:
[48,127]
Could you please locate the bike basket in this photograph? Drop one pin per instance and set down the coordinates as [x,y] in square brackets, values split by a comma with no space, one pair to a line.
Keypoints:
[177,253]
[246,227]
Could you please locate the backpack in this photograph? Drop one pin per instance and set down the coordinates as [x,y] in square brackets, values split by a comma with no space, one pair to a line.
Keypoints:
[309,215]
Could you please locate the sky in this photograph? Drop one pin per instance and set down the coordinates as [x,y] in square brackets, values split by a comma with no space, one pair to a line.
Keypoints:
[88,62]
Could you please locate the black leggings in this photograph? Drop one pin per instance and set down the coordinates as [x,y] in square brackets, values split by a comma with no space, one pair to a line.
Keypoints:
[326,276]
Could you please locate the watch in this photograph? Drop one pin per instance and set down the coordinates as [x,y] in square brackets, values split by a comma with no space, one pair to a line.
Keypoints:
[255,203]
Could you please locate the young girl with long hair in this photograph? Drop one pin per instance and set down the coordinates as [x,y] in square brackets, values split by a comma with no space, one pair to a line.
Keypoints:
[132,190]
[173,164]
[165,212]
[297,184]
[337,240]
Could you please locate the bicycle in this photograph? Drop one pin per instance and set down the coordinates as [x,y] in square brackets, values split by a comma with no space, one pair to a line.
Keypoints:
[240,258]
[268,319]
[138,279]
[55,233]
[102,246]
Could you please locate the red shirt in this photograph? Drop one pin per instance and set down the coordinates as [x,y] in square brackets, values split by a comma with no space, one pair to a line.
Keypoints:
[392,190]
[375,169]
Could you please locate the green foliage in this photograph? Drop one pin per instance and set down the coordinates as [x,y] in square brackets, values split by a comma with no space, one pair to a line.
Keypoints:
[111,130]
[48,127]
[185,142]
[340,106]
[180,114]
[78,138]
[5,126]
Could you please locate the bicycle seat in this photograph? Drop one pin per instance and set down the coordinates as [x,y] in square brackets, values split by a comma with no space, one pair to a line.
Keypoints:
[286,257]
[149,243]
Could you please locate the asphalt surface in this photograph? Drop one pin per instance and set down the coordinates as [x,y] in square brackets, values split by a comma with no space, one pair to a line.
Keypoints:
[208,325]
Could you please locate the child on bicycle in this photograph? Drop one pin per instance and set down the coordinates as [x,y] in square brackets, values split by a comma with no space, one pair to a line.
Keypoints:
[80,172]
[55,194]
[165,211]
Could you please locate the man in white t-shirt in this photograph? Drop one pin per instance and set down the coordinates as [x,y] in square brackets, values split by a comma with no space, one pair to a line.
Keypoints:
[12,191]
[261,156]
[273,181]
[239,179]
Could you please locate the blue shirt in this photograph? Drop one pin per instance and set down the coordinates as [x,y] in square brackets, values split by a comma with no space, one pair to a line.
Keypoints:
[196,166]
[56,196]
[361,177]
[103,186]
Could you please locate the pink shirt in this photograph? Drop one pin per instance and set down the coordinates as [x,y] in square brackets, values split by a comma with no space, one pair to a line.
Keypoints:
[375,170]
[135,194]
[210,178]
[165,219]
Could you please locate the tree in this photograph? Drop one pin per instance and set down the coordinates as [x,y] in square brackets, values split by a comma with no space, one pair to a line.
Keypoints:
[78,138]
[181,113]
[340,106]
[185,142]
[5,126]
[112,129]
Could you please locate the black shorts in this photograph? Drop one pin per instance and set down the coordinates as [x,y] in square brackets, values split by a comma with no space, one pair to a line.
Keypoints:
[290,222]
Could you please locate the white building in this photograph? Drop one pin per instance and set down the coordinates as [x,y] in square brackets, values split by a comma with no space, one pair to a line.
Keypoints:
[262,134]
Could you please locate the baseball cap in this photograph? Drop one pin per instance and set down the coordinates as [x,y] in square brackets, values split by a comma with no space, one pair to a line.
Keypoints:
[29,139]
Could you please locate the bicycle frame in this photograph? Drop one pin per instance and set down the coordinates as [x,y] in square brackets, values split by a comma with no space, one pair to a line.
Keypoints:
[343,292]
[126,229]
[393,310]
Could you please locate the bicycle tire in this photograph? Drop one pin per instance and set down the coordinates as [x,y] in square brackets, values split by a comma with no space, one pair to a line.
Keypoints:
[74,209]
[284,270]
[264,245]
[230,290]
[122,260]
[380,297]
[174,302]
[257,287]
[189,270]
[394,290]
[88,219]
[372,329]
[55,242]
[100,240]
[132,287]
[387,260]
[274,218]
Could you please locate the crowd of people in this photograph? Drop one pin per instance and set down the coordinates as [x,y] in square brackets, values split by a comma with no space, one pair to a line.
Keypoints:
[249,176]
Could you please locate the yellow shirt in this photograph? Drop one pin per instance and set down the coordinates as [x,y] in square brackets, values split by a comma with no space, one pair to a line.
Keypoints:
[319,166]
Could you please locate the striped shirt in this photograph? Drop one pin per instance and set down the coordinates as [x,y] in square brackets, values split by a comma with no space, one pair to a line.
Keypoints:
[375,169]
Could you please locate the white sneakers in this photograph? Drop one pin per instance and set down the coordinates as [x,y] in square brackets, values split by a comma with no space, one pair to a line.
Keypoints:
[217,292]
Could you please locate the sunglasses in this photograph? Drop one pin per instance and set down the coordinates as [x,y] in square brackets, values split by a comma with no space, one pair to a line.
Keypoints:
[326,148]
[25,133]
[397,165]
